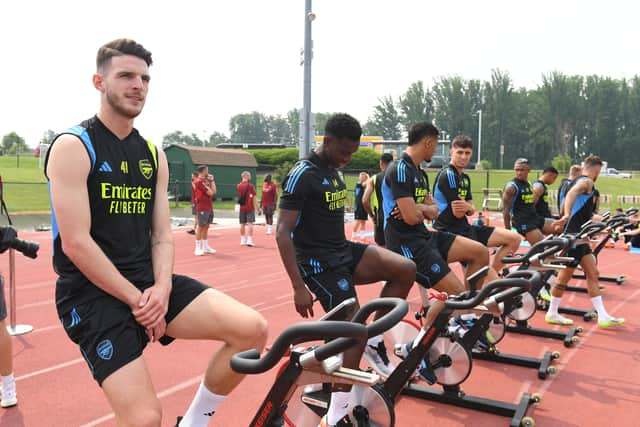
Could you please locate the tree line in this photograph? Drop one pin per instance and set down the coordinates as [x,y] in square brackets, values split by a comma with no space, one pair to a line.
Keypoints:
[567,115]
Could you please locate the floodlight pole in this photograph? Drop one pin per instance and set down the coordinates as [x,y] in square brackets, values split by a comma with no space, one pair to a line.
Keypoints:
[305,140]
[479,136]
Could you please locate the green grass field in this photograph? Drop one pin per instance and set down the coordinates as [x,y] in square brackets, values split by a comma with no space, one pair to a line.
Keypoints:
[25,188]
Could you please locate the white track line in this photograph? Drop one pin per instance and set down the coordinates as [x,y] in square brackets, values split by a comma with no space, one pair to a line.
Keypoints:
[50,369]
[167,392]
[37,304]
[583,339]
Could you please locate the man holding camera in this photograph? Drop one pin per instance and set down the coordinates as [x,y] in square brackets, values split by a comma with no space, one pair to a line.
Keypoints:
[205,190]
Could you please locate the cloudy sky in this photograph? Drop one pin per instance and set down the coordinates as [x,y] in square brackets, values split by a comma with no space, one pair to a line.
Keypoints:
[214,59]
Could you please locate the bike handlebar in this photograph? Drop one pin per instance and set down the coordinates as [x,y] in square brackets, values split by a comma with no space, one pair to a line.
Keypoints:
[250,362]
[397,307]
[592,229]
[512,287]
[544,248]
[341,332]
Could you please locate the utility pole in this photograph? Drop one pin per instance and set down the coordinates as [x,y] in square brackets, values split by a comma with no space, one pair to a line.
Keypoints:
[479,136]
[305,138]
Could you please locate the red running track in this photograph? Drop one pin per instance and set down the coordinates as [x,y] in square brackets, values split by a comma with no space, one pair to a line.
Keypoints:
[598,382]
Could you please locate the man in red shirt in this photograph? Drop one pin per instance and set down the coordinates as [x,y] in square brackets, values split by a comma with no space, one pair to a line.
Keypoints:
[205,190]
[268,201]
[247,202]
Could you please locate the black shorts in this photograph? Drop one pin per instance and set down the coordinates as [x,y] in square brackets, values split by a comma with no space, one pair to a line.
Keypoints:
[378,234]
[360,214]
[481,233]
[429,254]
[577,253]
[3,301]
[268,210]
[205,218]
[247,217]
[526,227]
[109,336]
[335,284]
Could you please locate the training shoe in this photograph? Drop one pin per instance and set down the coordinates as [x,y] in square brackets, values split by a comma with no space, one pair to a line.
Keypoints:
[250,241]
[378,359]
[198,252]
[9,397]
[344,422]
[544,294]
[557,320]
[613,321]
[269,229]
[192,231]
[243,241]
[209,250]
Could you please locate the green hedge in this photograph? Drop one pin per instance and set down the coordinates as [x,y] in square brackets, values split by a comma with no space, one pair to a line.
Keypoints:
[364,158]
[275,156]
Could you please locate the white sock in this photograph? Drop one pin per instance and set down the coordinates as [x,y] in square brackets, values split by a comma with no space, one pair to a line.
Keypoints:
[338,406]
[198,245]
[205,244]
[553,306]
[8,382]
[599,306]
[202,408]
[374,341]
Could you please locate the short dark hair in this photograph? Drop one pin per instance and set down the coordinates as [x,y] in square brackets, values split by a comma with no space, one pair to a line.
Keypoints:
[462,141]
[592,160]
[267,178]
[194,173]
[575,170]
[201,168]
[386,158]
[120,47]
[422,130]
[550,169]
[342,125]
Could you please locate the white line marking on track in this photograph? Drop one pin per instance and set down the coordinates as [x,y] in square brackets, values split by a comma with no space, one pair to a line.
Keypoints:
[37,304]
[583,339]
[166,392]
[50,369]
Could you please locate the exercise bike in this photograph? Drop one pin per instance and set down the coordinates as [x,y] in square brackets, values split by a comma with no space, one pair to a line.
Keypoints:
[448,357]
[317,364]
[588,231]
[612,224]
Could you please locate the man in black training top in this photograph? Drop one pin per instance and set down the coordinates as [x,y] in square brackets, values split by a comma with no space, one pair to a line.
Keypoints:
[407,203]
[372,199]
[579,206]
[452,194]
[113,253]
[518,209]
[574,172]
[540,192]
[320,260]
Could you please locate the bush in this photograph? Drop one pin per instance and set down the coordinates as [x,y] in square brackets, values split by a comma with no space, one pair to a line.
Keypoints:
[562,163]
[275,156]
[281,172]
[485,165]
[365,159]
